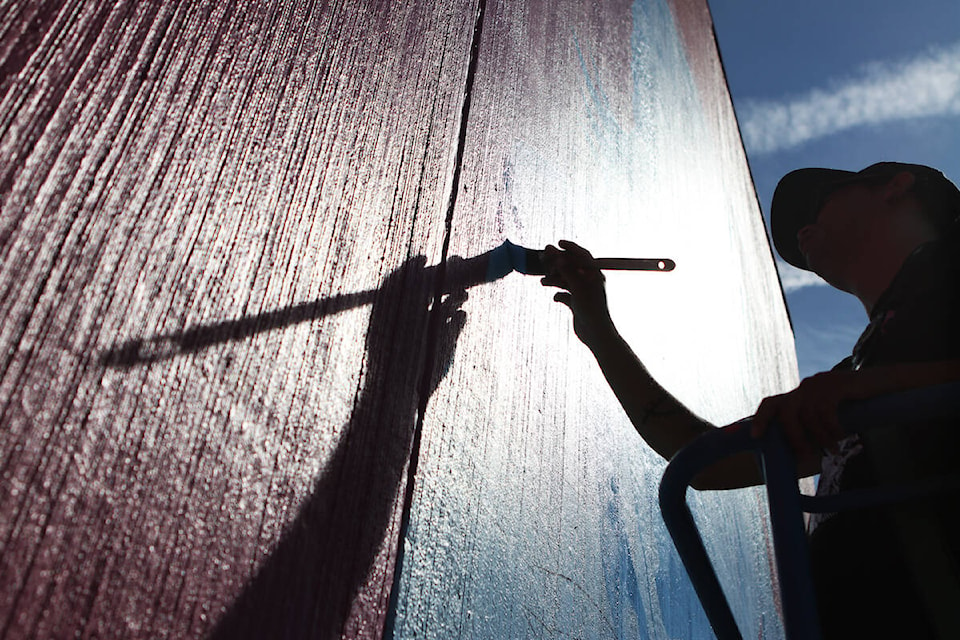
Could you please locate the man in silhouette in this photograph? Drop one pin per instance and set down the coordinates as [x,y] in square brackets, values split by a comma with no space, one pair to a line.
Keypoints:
[887,235]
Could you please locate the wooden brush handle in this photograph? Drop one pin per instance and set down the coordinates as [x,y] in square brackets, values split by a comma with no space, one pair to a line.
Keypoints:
[637,264]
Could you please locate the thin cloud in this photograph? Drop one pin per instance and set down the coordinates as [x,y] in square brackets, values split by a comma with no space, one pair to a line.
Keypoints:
[928,85]
[793,278]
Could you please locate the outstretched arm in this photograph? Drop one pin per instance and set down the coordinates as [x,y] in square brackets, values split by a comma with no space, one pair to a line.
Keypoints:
[662,420]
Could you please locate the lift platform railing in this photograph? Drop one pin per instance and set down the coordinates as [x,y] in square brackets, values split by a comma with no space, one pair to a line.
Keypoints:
[787,504]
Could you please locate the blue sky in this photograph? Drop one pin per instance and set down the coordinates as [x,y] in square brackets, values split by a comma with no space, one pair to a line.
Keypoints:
[839,84]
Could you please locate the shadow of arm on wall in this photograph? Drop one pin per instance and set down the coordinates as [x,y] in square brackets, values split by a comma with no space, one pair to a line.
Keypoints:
[161,347]
[460,275]
[308,585]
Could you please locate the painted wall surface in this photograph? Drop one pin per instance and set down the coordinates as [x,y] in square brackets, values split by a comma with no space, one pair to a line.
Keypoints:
[233,239]
[536,503]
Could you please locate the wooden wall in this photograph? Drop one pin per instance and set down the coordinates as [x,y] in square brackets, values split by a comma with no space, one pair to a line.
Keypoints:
[225,229]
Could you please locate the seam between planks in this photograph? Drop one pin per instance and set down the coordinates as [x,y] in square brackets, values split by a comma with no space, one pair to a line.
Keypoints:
[433,328]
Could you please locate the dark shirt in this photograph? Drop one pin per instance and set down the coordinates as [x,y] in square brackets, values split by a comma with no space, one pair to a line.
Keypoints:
[917,319]
[861,572]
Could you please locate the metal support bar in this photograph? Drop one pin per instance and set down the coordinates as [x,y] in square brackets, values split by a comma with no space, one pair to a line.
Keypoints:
[786,504]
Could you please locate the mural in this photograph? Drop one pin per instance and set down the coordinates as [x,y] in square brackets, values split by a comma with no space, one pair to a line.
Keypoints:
[262,374]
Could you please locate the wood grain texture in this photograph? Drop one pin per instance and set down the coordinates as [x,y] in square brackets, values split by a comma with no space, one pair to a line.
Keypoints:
[535,506]
[223,229]
[204,430]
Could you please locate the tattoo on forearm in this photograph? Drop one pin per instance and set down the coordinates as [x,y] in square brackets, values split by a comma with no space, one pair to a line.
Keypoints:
[663,406]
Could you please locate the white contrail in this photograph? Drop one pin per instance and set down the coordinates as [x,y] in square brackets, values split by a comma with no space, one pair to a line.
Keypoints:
[927,85]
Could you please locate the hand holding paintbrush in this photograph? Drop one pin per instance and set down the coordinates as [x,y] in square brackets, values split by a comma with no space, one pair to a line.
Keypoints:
[459,274]
[574,271]
[539,262]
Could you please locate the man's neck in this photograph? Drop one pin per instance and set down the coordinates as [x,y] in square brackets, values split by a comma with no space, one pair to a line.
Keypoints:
[873,277]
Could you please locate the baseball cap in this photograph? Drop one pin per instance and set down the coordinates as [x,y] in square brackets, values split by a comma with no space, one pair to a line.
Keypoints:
[800,195]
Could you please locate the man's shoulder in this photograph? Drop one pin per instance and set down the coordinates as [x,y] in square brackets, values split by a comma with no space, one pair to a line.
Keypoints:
[844,365]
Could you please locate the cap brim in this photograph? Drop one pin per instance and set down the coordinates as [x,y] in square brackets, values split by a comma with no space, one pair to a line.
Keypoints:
[793,207]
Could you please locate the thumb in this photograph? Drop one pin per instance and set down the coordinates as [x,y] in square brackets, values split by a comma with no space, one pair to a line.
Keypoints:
[564,298]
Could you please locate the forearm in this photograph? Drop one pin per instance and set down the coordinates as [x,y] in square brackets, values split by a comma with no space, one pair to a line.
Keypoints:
[890,378]
[662,420]
[809,414]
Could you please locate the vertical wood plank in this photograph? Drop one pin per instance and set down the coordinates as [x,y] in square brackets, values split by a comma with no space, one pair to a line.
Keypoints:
[535,506]
[219,228]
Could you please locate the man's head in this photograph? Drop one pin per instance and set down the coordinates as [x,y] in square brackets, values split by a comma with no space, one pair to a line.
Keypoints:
[846,198]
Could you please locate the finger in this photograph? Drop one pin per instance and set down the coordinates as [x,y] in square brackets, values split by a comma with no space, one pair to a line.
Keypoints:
[450,332]
[456,322]
[554,281]
[575,249]
[564,298]
[454,299]
[549,258]
[578,272]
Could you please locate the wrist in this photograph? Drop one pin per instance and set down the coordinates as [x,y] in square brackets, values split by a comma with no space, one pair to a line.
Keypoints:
[603,335]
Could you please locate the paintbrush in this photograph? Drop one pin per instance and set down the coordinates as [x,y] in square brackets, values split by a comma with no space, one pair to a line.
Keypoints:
[512,257]
[461,274]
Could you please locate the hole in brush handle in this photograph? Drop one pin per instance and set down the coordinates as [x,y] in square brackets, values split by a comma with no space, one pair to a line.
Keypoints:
[637,264]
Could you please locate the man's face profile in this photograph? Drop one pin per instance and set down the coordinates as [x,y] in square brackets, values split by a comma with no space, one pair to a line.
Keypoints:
[840,223]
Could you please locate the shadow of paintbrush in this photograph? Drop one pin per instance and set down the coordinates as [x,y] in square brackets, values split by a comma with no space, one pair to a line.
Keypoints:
[459,274]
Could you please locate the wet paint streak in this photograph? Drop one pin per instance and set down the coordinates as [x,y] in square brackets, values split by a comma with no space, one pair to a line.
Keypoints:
[695,27]
[622,581]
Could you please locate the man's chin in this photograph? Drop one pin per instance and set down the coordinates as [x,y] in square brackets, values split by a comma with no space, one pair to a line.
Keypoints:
[830,278]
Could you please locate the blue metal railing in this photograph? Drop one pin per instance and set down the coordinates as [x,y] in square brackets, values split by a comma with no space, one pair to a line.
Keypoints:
[786,504]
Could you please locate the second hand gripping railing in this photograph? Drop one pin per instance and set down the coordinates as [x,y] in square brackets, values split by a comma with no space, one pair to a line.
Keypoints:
[786,504]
